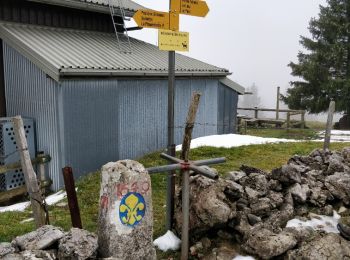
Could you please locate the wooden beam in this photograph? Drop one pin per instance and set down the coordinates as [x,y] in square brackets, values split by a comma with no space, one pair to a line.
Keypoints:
[33,189]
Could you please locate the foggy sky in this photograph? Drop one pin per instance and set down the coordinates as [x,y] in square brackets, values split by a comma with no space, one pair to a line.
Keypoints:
[253,39]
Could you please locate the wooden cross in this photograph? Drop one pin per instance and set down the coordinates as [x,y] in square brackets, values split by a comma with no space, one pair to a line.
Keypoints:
[185,165]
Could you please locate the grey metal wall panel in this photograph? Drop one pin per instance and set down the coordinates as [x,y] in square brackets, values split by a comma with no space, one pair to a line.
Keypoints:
[90,123]
[143,117]
[30,93]
[227,109]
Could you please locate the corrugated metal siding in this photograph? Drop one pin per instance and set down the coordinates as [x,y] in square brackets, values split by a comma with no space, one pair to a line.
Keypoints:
[31,94]
[227,109]
[90,123]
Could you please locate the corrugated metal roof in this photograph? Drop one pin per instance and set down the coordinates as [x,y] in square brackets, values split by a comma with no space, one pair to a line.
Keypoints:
[66,52]
[95,5]
[234,85]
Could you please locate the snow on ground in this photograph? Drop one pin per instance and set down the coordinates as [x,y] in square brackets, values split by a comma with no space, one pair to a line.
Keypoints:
[241,257]
[233,140]
[338,135]
[319,222]
[50,200]
[167,241]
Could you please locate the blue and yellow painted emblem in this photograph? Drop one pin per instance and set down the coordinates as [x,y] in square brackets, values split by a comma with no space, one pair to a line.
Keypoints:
[132,209]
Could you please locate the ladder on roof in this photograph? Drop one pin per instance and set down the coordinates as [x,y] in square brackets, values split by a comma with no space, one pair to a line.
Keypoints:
[121,32]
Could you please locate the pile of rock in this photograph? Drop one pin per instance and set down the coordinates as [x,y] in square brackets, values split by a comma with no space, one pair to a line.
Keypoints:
[49,243]
[254,206]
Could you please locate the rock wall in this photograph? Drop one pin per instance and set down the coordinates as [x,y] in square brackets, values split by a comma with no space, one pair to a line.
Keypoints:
[254,206]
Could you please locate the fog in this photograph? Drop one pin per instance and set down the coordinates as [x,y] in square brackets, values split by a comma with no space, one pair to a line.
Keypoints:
[253,39]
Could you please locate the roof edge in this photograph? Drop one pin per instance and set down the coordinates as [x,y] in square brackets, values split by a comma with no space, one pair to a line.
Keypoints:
[135,73]
[39,61]
[83,5]
[233,85]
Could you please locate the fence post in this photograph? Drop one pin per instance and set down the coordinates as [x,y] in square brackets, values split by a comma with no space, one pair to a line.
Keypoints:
[302,120]
[278,103]
[288,120]
[72,197]
[28,171]
[256,112]
[327,136]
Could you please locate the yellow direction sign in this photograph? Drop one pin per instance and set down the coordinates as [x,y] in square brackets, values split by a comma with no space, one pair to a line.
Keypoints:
[173,41]
[152,19]
[191,7]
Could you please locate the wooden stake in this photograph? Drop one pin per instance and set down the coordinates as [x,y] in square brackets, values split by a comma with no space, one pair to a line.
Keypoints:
[327,136]
[28,171]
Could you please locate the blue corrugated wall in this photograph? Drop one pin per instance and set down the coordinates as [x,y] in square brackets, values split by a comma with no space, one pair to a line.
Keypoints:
[30,93]
[87,122]
[227,110]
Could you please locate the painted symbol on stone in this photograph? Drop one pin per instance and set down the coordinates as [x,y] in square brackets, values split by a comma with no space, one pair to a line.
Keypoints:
[132,209]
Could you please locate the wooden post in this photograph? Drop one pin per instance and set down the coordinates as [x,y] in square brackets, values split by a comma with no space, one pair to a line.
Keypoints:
[186,144]
[256,112]
[302,120]
[72,197]
[327,136]
[28,171]
[288,120]
[278,103]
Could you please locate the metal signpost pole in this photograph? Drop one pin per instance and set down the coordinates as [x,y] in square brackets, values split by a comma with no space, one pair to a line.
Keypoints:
[171,145]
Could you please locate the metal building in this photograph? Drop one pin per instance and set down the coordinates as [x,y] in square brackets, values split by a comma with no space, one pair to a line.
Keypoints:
[92,103]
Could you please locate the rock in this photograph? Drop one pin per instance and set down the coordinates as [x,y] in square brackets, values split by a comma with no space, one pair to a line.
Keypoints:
[78,244]
[327,210]
[299,194]
[253,219]
[6,248]
[335,164]
[287,174]
[12,256]
[257,182]
[224,252]
[210,205]
[262,207]
[41,238]
[125,222]
[233,191]
[196,249]
[339,186]
[267,244]
[206,242]
[236,175]
[342,209]
[252,195]
[328,247]
[224,235]
[39,255]
[276,198]
[274,185]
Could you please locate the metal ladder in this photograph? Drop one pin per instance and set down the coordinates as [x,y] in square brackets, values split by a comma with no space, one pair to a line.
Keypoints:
[123,39]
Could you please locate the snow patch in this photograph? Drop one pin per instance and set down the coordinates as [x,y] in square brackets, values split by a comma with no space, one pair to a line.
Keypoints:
[233,140]
[319,222]
[50,200]
[338,135]
[241,257]
[27,220]
[167,242]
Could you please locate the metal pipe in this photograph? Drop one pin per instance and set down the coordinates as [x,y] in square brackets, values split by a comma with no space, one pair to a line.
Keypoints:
[170,158]
[210,161]
[164,168]
[204,172]
[72,197]
[185,214]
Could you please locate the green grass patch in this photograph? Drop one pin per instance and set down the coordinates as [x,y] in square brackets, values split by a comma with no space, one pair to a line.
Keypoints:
[265,157]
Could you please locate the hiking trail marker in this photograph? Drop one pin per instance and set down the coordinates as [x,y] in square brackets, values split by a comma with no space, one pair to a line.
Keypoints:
[152,19]
[169,40]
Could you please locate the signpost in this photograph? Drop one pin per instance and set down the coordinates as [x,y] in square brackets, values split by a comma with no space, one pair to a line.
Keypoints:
[175,41]
[169,40]
[152,19]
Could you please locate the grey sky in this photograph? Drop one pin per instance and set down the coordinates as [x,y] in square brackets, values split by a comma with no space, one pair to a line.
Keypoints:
[254,39]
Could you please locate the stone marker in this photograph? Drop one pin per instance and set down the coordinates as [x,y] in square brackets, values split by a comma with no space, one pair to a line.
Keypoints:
[125,223]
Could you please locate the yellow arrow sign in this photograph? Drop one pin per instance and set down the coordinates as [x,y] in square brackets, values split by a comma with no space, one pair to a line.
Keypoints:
[191,7]
[152,19]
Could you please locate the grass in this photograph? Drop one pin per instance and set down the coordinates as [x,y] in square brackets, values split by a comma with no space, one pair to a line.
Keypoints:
[265,157]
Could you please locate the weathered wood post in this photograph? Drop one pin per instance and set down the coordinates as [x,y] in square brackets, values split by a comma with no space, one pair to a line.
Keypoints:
[278,103]
[185,175]
[302,119]
[256,112]
[125,222]
[288,121]
[33,189]
[327,136]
